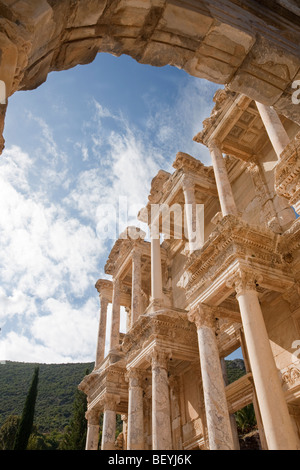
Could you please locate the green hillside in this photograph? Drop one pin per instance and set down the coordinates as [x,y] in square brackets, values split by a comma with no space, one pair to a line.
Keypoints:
[235,369]
[56,389]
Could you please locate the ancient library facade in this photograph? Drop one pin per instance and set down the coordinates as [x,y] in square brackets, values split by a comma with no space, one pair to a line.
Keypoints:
[230,281]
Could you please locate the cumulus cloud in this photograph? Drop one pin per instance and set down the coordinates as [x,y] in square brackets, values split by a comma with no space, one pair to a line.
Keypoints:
[53,214]
[47,256]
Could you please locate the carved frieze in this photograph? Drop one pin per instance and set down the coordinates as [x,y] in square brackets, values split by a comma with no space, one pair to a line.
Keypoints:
[176,329]
[233,239]
[287,172]
[290,376]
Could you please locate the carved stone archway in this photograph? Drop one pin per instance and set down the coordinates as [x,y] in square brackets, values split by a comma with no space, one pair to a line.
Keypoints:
[250,45]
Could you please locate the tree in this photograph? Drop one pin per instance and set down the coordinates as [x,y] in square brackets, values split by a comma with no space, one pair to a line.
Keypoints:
[8,432]
[75,434]
[26,423]
[245,419]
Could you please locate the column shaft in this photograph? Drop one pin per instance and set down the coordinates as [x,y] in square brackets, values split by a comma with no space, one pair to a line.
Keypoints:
[156,273]
[216,409]
[234,430]
[194,227]
[161,411]
[274,127]
[226,198]
[135,431]
[109,430]
[136,285]
[115,317]
[92,437]
[101,331]
[273,408]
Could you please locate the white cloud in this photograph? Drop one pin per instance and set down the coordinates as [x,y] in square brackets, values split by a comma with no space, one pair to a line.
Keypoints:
[21,348]
[47,256]
[50,206]
[68,331]
[18,303]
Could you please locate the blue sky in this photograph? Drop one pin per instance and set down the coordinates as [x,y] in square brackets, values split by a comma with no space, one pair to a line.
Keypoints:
[84,139]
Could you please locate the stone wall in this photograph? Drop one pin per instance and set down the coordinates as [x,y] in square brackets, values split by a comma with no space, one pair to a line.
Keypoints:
[253,47]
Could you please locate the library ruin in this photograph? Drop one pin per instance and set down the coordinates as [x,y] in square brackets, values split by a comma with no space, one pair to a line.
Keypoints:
[191,303]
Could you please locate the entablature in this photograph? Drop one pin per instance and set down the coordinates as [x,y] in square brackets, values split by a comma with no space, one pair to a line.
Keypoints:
[235,245]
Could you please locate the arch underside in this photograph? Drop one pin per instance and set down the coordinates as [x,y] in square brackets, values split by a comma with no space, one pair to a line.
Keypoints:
[251,46]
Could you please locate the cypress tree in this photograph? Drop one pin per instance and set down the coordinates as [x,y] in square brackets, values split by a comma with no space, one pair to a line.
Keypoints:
[26,423]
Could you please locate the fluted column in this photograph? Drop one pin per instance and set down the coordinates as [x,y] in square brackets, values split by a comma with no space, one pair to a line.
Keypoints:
[135,431]
[225,193]
[194,227]
[216,409]
[277,423]
[161,410]
[156,272]
[92,437]
[136,284]
[101,331]
[274,127]
[109,424]
[115,317]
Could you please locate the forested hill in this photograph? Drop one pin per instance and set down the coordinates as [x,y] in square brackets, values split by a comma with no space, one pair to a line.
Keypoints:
[56,388]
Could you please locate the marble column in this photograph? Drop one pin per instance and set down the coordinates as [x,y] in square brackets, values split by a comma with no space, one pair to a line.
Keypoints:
[194,228]
[274,127]
[101,331]
[92,437]
[156,272]
[135,431]
[175,413]
[277,423]
[161,410]
[109,424]
[260,426]
[225,193]
[136,284]
[234,430]
[115,318]
[216,409]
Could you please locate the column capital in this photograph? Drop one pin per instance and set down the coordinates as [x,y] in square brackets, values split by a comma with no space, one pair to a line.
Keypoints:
[134,377]
[93,416]
[116,283]
[159,358]
[109,402]
[244,280]
[104,301]
[187,182]
[214,144]
[203,316]
[136,251]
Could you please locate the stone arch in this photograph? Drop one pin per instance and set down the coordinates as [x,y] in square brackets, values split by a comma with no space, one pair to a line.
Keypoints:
[251,46]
